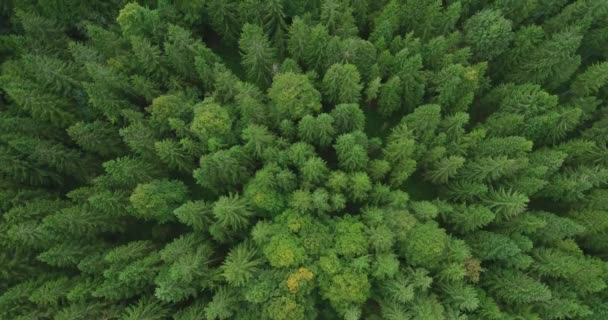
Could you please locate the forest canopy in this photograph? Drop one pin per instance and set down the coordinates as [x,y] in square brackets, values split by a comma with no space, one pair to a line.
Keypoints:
[300,160]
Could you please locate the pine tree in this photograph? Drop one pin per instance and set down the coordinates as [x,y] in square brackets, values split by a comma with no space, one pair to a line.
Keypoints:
[308,44]
[456,85]
[240,265]
[341,84]
[425,245]
[489,34]
[98,136]
[44,87]
[232,212]
[294,96]
[428,18]
[413,81]
[257,55]
[489,169]
[516,287]
[215,160]
[145,309]
[538,66]
[157,199]
[224,18]
[338,18]
[319,130]
[360,186]
[445,169]
[222,170]
[348,117]
[211,121]
[176,154]
[360,53]
[352,156]
[135,20]
[222,305]
[389,99]
[591,80]
[189,58]
[506,203]
[275,24]
[468,218]
[314,171]
[186,269]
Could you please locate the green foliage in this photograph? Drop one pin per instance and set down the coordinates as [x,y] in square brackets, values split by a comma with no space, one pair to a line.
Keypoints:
[99,137]
[145,309]
[314,171]
[488,33]
[224,18]
[341,84]
[177,155]
[157,199]
[424,245]
[240,265]
[445,169]
[284,251]
[352,155]
[210,121]
[293,96]
[390,96]
[222,170]
[213,159]
[539,61]
[468,218]
[222,305]
[317,130]
[518,288]
[360,185]
[591,80]
[257,139]
[350,239]
[196,214]
[506,203]
[185,268]
[135,20]
[257,55]
[348,117]
[346,289]
[308,44]
[231,212]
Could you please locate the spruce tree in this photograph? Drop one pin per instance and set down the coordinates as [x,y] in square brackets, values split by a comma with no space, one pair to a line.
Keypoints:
[257,55]
[400,159]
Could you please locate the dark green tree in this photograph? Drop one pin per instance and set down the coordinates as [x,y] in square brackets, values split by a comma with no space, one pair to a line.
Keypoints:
[488,33]
[341,84]
[257,55]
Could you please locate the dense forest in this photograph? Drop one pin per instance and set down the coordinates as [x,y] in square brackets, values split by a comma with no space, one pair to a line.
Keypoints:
[303,159]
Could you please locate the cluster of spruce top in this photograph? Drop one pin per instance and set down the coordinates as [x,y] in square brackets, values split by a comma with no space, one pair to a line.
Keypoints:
[297,159]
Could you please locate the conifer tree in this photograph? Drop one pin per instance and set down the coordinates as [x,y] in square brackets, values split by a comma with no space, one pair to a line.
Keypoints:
[224,18]
[222,170]
[294,96]
[275,24]
[591,80]
[257,55]
[489,34]
[390,96]
[537,63]
[351,154]
[348,117]
[207,159]
[307,44]
[341,84]
[158,199]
